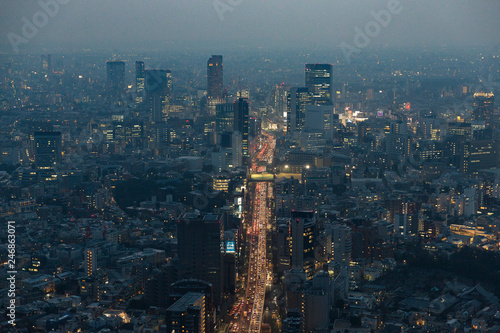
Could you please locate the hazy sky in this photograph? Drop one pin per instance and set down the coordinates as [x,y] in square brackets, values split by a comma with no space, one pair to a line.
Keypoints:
[125,24]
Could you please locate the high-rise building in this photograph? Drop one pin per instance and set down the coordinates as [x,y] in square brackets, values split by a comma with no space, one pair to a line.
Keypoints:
[116,76]
[90,262]
[215,77]
[298,98]
[158,85]
[237,149]
[224,117]
[320,118]
[200,243]
[398,141]
[140,76]
[242,124]
[319,82]
[294,322]
[484,108]
[340,243]
[47,149]
[302,232]
[46,64]
[182,287]
[187,314]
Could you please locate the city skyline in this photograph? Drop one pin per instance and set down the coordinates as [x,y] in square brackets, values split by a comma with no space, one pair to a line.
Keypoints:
[238,166]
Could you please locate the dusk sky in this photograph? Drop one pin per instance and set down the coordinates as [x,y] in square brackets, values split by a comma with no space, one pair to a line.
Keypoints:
[132,24]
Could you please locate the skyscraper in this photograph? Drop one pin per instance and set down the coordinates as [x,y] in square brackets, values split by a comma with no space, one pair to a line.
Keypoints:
[200,243]
[90,262]
[340,245]
[302,229]
[298,98]
[241,123]
[116,76]
[484,107]
[215,77]
[224,117]
[46,64]
[140,75]
[319,82]
[47,149]
[158,85]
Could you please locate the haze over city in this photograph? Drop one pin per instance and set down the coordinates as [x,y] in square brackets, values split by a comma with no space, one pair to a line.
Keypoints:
[168,24]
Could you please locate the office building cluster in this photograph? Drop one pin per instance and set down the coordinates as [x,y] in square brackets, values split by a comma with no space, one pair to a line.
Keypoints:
[154,194]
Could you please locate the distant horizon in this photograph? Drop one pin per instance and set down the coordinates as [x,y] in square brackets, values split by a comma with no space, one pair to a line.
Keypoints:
[185,46]
[122,25]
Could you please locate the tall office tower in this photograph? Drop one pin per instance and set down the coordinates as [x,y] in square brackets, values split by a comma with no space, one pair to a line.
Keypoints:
[298,98]
[46,64]
[398,141]
[242,124]
[215,82]
[187,314]
[47,149]
[116,76]
[140,76]
[281,249]
[320,118]
[200,239]
[280,95]
[158,85]
[319,82]
[340,246]
[302,231]
[484,108]
[237,149]
[90,262]
[224,117]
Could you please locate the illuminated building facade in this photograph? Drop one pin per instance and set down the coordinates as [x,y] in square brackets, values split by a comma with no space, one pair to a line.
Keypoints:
[302,232]
[298,98]
[140,76]
[158,85]
[242,124]
[47,149]
[319,82]
[479,154]
[484,107]
[90,262]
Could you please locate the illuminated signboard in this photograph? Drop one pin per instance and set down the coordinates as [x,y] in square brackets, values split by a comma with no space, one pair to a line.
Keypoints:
[230,247]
